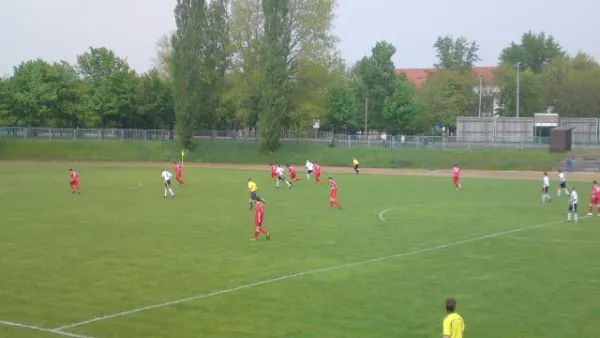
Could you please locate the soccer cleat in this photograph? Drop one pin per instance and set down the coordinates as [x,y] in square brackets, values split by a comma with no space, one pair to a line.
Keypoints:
[252,239]
[589,214]
[268,236]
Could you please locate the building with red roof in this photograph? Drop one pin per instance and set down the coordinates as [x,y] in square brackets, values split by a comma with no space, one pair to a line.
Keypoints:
[418,77]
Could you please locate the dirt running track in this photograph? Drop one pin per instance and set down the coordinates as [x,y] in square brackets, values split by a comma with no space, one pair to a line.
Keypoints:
[527,175]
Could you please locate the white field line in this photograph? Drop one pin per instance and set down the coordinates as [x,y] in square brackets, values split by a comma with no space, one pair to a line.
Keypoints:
[300,274]
[383,213]
[541,240]
[37,328]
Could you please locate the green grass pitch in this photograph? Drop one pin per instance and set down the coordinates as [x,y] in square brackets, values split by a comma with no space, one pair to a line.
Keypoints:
[120,246]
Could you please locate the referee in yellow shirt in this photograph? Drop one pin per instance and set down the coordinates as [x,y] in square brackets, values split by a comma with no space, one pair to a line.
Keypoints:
[453,325]
[355,165]
[252,189]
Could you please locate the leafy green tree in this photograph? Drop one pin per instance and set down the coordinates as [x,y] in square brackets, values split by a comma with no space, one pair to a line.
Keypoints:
[276,82]
[214,62]
[456,54]
[375,77]
[154,101]
[342,110]
[43,94]
[446,95]
[400,109]
[312,60]
[533,52]
[163,62]
[188,44]
[111,88]
[572,86]
[531,95]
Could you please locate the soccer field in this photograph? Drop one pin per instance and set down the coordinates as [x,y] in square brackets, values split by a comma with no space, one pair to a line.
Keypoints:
[121,261]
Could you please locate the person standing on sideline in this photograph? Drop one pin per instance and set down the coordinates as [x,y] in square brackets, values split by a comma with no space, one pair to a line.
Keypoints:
[453,325]
[573,199]
[356,165]
[545,187]
[562,187]
[252,189]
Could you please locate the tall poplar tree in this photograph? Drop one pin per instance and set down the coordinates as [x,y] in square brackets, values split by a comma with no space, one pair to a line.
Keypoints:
[276,83]
[188,42]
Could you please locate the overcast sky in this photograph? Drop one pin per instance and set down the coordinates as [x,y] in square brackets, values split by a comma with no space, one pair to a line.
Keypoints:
[61,29]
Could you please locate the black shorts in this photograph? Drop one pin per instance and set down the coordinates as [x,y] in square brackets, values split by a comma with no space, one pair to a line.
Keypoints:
[545,190]
[281,177]
[572,207]
[309,172]
[167,183]
[356,167]
[563,185]
[253,195]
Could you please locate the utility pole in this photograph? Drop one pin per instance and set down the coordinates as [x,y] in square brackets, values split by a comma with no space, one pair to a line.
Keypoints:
[518,86]
[480,92]
[366,115]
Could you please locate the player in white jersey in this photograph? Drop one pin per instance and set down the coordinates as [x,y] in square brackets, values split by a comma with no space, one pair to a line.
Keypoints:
[281,177]
[562,183]
[545,187]
[166,176]
[310,167]
[572,213]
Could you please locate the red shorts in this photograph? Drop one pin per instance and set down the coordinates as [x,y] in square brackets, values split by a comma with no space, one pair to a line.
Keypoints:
[274,176]
[333,195]
[317,173]
[595,201]
[258,224]
[293,175]
[455,179]
[177,175]
[74,183]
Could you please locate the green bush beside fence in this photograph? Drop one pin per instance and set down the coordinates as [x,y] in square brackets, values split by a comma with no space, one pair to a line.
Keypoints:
[296,153]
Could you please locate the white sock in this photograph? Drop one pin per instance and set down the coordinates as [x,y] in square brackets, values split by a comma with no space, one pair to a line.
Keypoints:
[543,198]
[569,217]
[288,183]
[165,192]
[576,217]
[277,184]
[558,192]
[171,191]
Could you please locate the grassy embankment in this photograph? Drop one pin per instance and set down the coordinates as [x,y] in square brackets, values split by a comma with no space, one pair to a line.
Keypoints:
[247,152]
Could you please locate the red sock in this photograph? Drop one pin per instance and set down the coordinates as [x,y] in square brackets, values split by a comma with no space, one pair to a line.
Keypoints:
[330,204]
[336,203]
[256,233]
[598,210]
[264,231]
[590,209]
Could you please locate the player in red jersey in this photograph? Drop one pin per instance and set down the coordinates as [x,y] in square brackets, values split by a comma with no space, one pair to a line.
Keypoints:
[178,168]
[333,190]
[595,201]
[318,173]
[274,174]
[259,217]
[74,182]
[456,176]
[292,171]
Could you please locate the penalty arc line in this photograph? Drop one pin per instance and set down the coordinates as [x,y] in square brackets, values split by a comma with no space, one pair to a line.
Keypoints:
[383,213]
[300,274]
[41,329]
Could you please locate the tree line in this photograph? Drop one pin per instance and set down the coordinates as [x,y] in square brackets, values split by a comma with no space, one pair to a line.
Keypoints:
[274,66]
